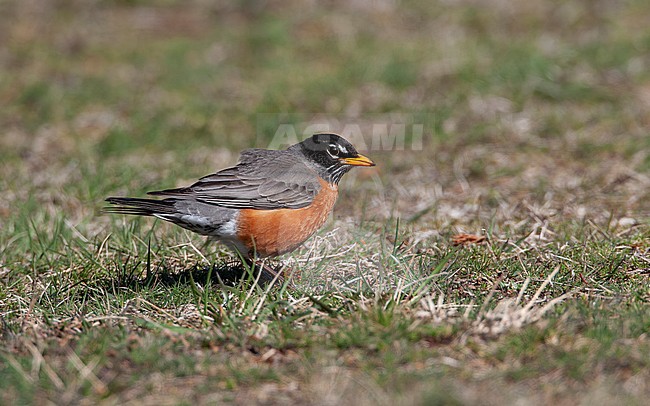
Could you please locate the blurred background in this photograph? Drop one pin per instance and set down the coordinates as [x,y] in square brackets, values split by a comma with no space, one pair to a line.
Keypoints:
[525,110]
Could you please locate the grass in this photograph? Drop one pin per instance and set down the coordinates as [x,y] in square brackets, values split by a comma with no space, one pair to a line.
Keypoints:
[535,136]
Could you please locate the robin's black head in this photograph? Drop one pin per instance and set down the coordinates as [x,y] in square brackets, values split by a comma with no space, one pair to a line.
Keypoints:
[333,155]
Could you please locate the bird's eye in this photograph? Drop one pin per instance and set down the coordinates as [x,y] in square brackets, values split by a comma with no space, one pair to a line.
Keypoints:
[334,150]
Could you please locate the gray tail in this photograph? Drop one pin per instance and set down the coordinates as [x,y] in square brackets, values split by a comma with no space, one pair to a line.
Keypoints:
[140,207]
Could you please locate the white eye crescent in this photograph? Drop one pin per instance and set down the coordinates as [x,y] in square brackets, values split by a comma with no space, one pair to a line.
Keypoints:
[334,150]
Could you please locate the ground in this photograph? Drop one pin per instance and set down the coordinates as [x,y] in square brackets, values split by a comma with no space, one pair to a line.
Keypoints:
[498,253]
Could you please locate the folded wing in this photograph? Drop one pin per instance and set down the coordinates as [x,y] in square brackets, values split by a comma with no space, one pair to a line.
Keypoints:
[269,180]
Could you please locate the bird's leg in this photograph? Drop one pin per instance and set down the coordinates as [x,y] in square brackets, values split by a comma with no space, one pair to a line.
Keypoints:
[267,273]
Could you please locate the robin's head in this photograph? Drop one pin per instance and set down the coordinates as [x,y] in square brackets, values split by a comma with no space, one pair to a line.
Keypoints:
[333,155]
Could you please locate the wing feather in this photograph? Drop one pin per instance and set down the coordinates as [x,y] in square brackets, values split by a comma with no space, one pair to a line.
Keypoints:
[261,180]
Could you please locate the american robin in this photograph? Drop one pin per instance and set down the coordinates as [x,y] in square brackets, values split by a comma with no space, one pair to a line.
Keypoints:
[266,205]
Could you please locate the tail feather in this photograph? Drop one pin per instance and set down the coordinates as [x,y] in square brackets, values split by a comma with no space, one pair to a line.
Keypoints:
[140,207]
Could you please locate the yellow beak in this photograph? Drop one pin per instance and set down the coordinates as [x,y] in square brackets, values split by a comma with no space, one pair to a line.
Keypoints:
[359,160]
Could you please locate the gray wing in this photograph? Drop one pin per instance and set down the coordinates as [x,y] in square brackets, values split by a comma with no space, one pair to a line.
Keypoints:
[261,180]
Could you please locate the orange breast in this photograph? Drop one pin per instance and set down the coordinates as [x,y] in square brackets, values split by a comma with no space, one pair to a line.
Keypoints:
[275,232]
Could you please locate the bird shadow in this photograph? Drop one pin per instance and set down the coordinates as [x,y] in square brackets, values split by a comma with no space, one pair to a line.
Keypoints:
[218,275]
